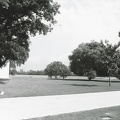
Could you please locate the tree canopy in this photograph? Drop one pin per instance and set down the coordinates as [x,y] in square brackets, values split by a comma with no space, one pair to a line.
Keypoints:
[84,57]
[18,20]
[57,68]
[100,56]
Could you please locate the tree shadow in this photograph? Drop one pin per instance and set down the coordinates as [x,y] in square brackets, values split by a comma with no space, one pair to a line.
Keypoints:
[4,81]
[113,81]
[82,85]
[68,79]
[84,79]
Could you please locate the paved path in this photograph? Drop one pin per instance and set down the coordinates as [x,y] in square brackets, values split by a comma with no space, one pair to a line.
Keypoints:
[31,107]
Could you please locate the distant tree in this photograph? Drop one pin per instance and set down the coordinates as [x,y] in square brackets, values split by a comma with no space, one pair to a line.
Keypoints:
[21,72]
[64,71]
[35,72]
[20,19]
[57,68]
[40,72]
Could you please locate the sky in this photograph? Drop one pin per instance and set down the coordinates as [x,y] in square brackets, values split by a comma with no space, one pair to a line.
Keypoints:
[80,21]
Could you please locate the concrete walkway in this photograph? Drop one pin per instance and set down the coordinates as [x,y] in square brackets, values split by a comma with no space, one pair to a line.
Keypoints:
[32,107]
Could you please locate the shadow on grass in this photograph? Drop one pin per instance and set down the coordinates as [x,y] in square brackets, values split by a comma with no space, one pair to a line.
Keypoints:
[4,81]
[68,79]
[1,82]
[82,85]
[94,80]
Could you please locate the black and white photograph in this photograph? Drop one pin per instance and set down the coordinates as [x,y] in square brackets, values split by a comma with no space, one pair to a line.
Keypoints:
[59,59]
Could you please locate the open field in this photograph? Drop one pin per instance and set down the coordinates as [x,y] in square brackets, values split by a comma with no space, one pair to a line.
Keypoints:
[25,86]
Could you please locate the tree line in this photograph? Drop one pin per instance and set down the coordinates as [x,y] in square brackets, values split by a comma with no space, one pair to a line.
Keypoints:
[55,68]
[30,72]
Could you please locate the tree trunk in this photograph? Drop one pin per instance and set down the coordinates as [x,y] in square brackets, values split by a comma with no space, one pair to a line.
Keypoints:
[89,78]
[109,77]
[55,76]
[109,80]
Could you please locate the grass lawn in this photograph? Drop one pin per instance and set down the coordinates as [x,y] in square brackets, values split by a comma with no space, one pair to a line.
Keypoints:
[25,86]
[112,113]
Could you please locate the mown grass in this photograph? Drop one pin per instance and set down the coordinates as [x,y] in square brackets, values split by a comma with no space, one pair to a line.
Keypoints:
[25,86]
[112,113]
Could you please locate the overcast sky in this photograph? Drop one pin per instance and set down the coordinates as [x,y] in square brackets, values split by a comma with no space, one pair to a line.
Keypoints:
[79,21]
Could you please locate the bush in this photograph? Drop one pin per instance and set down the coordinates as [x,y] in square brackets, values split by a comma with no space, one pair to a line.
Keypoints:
[117,74]
[91,74]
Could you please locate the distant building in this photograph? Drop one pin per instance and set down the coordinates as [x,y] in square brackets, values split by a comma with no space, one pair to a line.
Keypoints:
[4,71]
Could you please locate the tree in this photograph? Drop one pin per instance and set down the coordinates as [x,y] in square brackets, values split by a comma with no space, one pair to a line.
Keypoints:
[20,19]
[84,58]
[33,72]
[64,71]
[110,58]
[100,56]
[57,68]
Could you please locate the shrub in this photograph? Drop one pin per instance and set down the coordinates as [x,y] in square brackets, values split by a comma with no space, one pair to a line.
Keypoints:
[117,74]
[91,74]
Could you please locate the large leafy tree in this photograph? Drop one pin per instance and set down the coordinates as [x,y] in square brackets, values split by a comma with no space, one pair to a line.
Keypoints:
[57,68]
[84,58]
[100,56]
[18,20]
